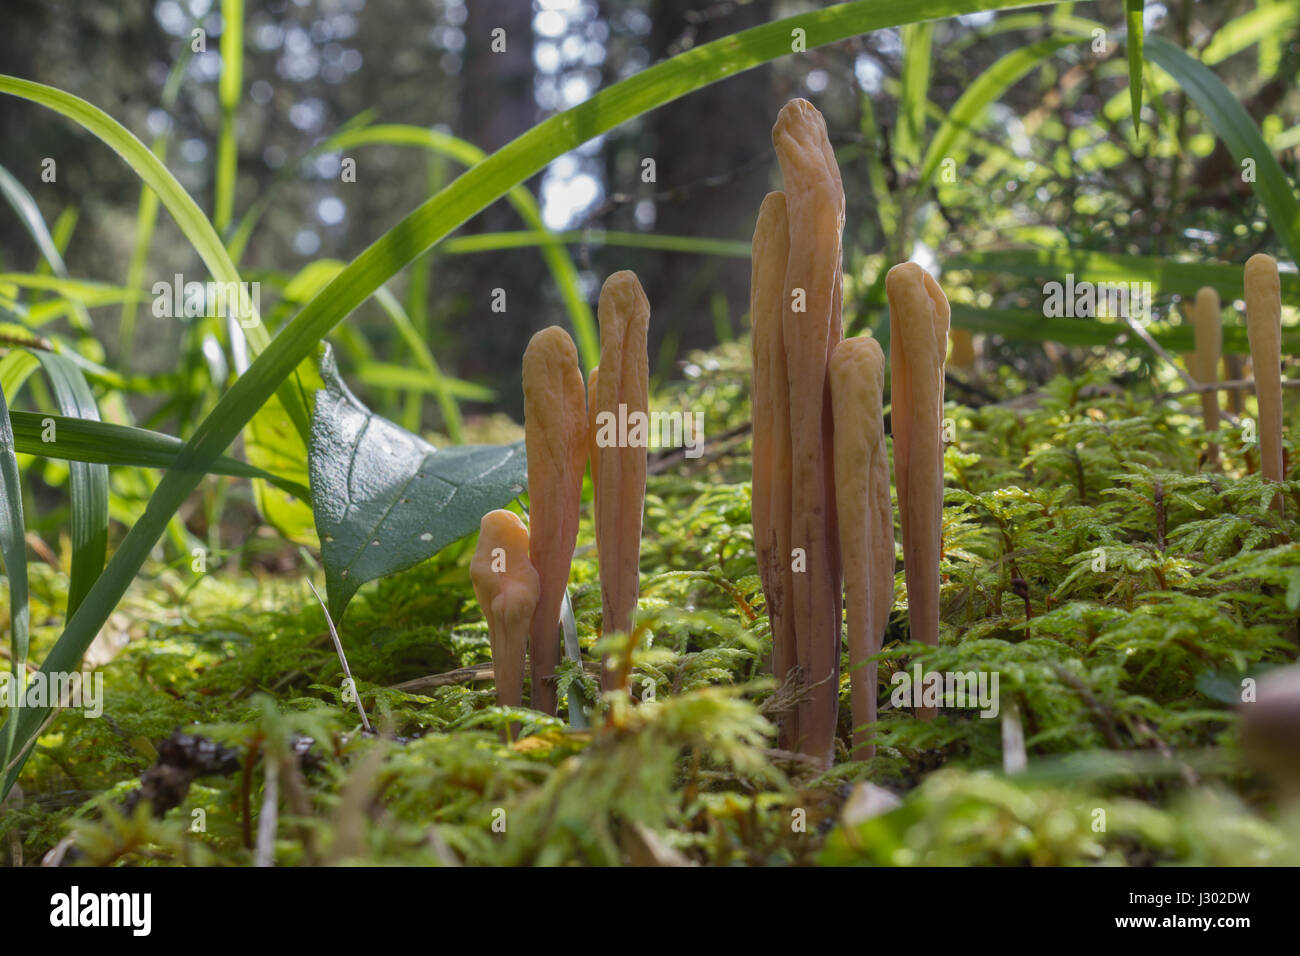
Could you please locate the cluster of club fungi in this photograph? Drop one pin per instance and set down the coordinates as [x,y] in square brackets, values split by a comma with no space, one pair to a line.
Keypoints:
[822,511]
[520,573]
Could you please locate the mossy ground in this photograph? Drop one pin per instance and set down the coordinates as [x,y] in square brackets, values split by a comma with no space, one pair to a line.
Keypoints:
[1124,680]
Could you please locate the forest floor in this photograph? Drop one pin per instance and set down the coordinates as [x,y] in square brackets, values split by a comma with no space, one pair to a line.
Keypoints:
[1123,594]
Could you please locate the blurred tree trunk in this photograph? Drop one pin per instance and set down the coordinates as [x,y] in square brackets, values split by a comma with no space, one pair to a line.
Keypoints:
[496,105]
[721,134]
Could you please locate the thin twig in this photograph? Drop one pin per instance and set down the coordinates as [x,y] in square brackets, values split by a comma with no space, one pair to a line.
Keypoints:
[1159,349]
[1231,385]
[468,675]
[268,820]
[343,659]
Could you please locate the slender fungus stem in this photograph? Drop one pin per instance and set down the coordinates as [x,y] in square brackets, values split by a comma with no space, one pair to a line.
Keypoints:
[1264,328]
[555,434]
[593,450]
[507,587]
[918,329]
[866,519]
[622,400]
[1208,328]
[814,197]
[771,439]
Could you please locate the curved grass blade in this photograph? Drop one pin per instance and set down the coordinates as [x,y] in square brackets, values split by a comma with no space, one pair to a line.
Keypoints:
[497,241]
[1240,33]
[87,483]
[1239,133]
[916,39]
[80,440]
[182,207]
[987,88]
[25,206]
[431,221]
[554,254]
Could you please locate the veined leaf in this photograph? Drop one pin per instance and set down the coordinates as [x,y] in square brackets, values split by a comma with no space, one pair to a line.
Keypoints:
[385,499]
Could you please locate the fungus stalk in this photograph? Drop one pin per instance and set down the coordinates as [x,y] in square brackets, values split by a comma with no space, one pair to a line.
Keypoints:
[555,434]
[1264,328]
[814,199]
[1208,328]
[770,397]
[506,585]
[619,461]
[918,329]
[866,519]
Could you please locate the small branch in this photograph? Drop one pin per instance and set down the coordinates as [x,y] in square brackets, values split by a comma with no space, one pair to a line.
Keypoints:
[468,675]
[18,341]
[1159,349]
[1231,385]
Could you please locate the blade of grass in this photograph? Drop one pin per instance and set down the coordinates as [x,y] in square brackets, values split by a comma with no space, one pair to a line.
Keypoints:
[916,39]
[30,214]
[182,207]
[87,483]
[473,191]
[232,81]
[1133,10]
[497,241]
[557,258]
[987,88]
[81,440]
[1239,133]
[1183,278]
[13,547]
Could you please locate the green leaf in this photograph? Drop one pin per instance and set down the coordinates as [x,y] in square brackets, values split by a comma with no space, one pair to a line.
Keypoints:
[25,206]
[1168,275]
[557,258]
[126,445]
[1133,15]
[385,499]
[13,546]
[87,483]
[1239,133]
[232,80]
[699,245]
[431,221]
[184,210]
[916,39]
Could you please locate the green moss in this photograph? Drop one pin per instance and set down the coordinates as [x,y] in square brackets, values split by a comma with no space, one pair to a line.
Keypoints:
[1120,595]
